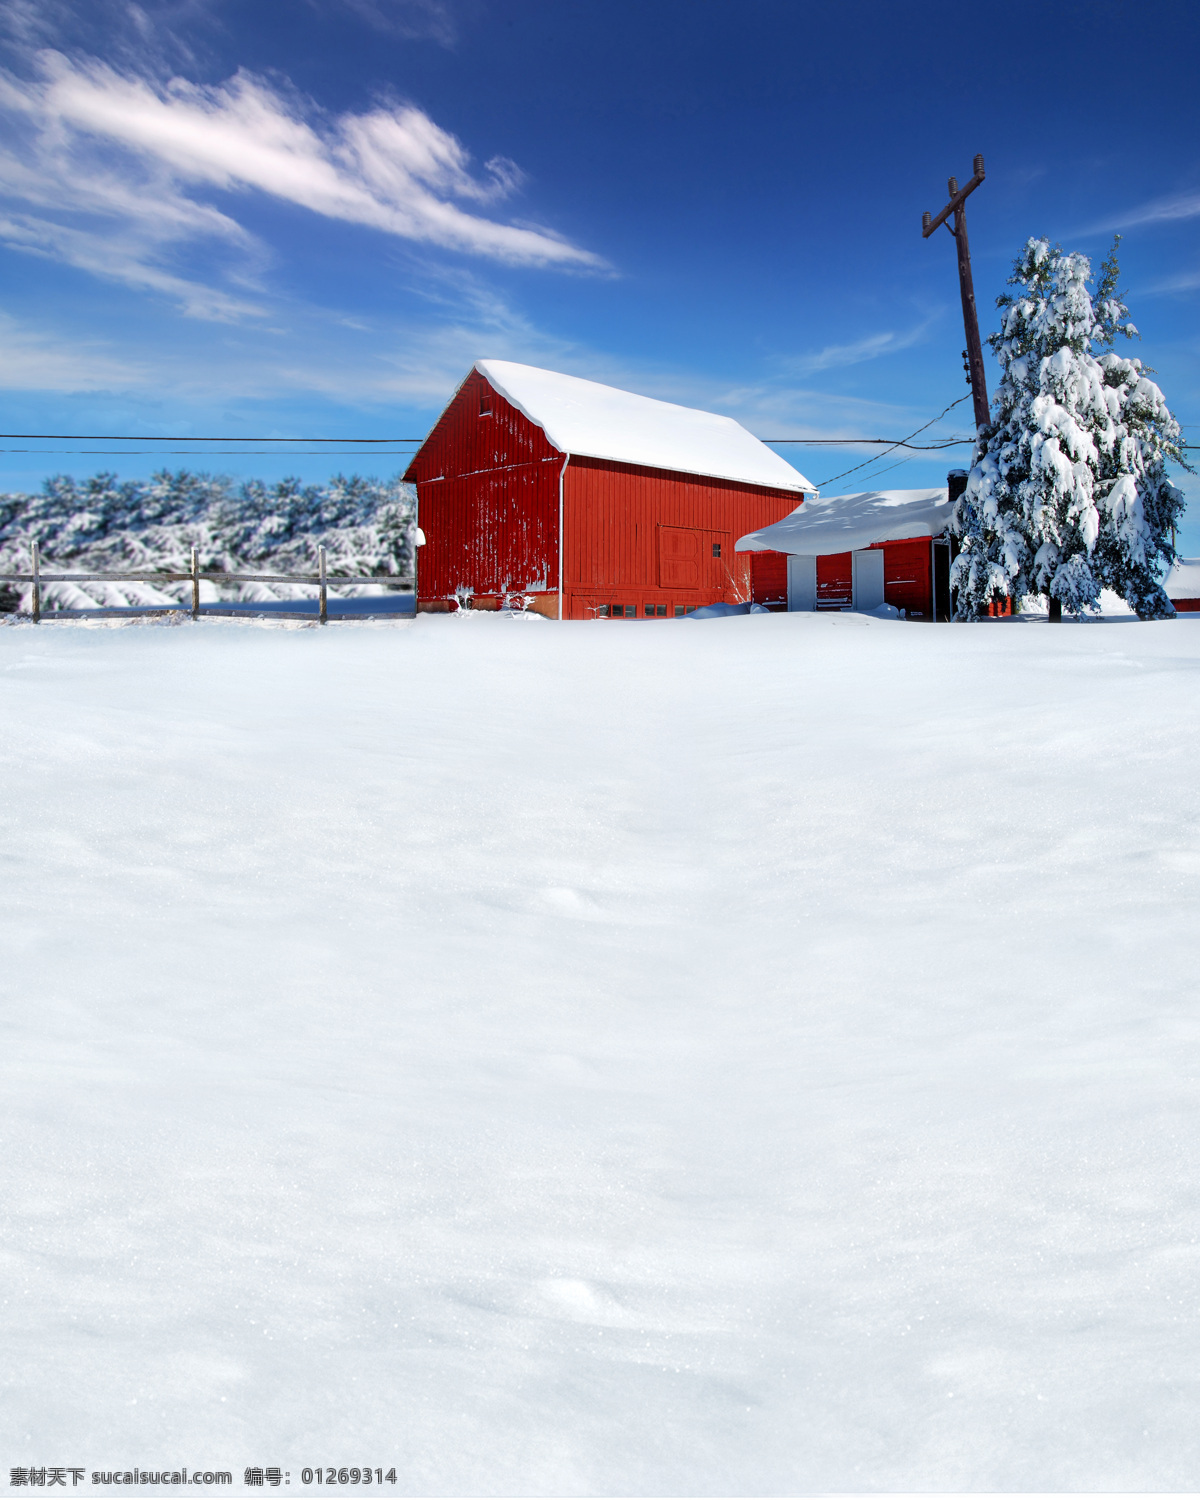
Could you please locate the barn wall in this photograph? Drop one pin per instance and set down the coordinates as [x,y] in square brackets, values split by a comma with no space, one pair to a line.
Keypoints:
[643,540]
[908,576]
[487,500]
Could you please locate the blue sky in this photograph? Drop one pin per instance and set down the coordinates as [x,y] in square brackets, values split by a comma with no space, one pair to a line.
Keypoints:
[311,217]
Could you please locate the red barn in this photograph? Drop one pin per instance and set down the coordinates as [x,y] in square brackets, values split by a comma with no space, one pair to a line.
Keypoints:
[585,501]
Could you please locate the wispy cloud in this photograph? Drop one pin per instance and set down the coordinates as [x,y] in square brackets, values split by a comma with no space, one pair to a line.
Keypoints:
[1157,211]
[1188,281]
[115,168]
[36,360]
[874,346]
[411,19]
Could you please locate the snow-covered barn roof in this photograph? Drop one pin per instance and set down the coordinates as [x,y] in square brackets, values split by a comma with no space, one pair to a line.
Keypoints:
[847,523]
[1183,580]
[599,421]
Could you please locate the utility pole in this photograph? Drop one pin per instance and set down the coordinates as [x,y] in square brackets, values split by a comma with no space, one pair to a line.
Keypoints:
[957,207]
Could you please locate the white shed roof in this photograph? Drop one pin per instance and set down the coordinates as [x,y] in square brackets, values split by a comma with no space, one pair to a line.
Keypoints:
[847,523]
[599,421]
[1183,580]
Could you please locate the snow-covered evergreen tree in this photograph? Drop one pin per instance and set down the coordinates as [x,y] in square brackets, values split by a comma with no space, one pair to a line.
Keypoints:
[104,524]
[1068,491]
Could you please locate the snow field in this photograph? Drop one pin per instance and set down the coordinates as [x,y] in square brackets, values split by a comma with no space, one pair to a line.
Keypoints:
[743,1056]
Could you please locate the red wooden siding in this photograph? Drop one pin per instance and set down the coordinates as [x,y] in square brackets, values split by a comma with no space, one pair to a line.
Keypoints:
[487,500]
[651,540]
[908,576]
[768,579]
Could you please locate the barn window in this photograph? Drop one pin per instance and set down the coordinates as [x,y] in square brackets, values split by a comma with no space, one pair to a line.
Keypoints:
[716,549]
[485,406]
[602,611]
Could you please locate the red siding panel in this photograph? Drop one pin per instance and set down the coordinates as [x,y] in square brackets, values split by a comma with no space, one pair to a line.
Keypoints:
[643,538]
[768,579]
[908,576]
[487,499]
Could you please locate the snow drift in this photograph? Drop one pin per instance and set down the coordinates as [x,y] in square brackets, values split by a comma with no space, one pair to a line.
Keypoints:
[1183,580]
[574,1060]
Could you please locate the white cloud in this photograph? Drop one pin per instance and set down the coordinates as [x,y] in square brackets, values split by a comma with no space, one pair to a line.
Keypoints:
[113,164]
[1157,211]
[408,18]
[835,356]
[1187,281]
[121,257]
[34,360]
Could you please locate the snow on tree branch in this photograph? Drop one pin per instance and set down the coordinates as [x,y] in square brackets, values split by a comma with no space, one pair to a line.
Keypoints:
[107,525]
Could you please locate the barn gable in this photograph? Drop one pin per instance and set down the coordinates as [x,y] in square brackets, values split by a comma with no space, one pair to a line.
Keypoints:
[488,500]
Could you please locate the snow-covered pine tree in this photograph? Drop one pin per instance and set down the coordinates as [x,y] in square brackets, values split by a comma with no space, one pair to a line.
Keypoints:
[1068,491]
[105,524]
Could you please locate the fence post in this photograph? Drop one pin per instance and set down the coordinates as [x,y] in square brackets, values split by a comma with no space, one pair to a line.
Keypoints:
[195,586]
[322,595]
[37,584]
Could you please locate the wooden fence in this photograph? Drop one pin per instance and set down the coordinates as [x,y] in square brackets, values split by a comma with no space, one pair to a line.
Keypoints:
[320,579]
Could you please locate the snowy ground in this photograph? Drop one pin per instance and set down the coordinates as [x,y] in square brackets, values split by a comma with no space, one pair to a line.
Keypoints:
[733,1057]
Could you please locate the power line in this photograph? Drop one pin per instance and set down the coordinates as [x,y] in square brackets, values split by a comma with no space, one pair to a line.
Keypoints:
[878,442]
[876,457]
[888,444]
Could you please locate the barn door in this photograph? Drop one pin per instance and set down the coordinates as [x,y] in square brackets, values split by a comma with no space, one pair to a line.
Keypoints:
[802,582]
[868,579]
[693,559]
[678,558]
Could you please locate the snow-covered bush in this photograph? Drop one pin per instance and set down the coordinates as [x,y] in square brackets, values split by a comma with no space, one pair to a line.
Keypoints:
[106,525]
[1068,491]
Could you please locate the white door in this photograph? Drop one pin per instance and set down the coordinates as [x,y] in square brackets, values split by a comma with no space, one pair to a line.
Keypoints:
[868,579]
[802,582]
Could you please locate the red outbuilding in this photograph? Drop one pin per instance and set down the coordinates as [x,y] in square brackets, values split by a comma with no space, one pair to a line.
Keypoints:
[876,550]
[1182,584]
[582,501]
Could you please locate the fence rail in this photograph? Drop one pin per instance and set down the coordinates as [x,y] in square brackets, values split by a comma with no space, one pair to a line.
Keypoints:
[319,580]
